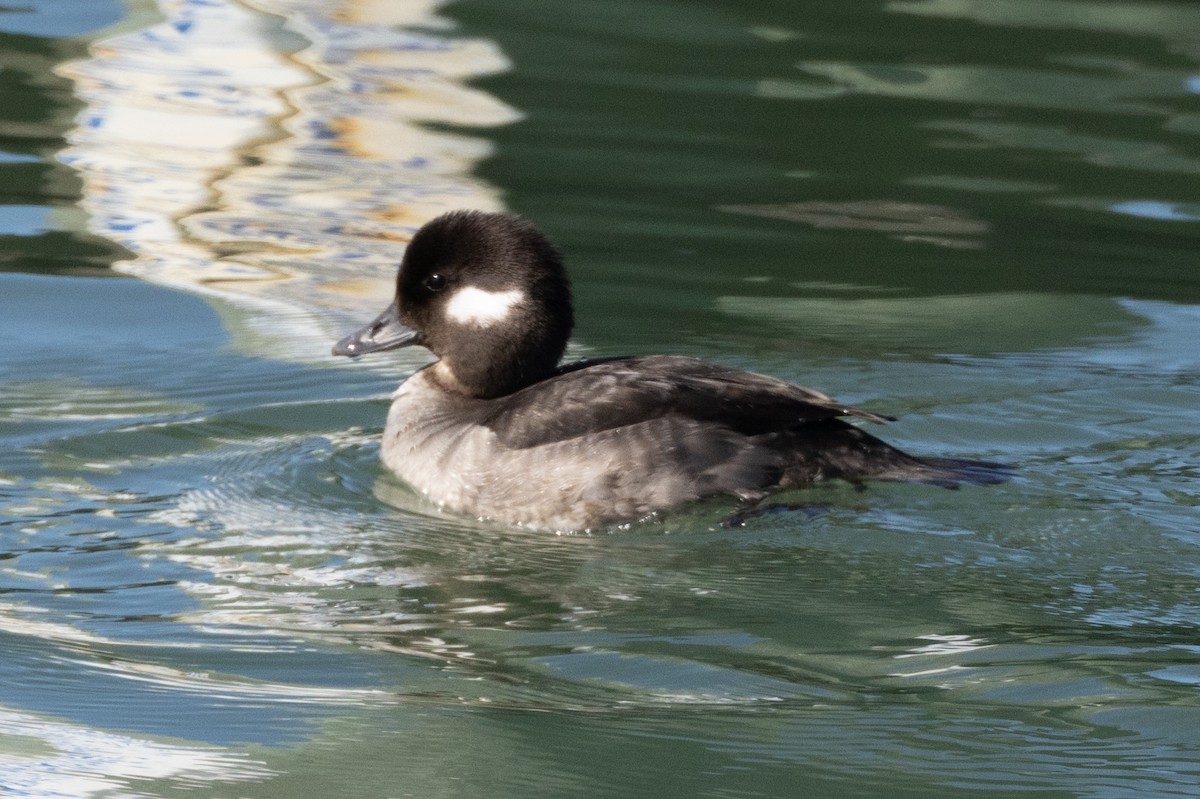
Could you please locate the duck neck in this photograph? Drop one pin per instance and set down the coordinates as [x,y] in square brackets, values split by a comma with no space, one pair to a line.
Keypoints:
[497,375]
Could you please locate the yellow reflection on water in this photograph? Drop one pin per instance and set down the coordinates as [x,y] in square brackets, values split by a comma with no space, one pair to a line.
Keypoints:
[275,152]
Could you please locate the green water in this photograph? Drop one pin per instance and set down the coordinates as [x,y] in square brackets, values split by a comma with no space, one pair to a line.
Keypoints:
[980,217]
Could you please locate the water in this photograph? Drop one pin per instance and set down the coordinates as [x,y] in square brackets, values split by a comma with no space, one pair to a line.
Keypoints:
[978,216]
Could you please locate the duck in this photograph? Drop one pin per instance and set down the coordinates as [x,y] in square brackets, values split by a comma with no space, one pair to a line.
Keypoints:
[498,428]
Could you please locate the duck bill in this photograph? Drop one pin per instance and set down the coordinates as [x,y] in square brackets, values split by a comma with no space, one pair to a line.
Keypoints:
[387,332]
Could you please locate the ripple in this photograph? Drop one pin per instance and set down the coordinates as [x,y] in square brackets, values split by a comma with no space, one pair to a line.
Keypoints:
[963,323]
[1166,20]
[45,758]
[1003,86]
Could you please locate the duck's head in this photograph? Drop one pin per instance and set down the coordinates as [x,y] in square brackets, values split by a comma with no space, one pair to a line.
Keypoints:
[485,293]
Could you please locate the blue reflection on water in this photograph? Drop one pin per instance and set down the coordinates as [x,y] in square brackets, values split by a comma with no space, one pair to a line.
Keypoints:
[49,18]
[1156,209]
[24,220]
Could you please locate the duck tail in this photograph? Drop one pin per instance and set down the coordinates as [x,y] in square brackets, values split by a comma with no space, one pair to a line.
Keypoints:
[834,449]
[949,472]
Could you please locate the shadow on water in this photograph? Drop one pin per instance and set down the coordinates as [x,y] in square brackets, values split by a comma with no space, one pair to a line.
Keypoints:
[41,227]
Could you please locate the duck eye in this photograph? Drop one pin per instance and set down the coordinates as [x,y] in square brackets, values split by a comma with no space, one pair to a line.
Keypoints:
[435,282]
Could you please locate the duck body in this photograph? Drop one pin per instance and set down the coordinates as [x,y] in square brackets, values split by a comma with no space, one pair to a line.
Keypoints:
[497,429]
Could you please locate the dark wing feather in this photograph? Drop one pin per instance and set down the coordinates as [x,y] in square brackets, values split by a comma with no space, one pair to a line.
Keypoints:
[591,396]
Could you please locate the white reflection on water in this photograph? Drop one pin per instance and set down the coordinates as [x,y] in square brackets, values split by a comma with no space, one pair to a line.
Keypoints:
[44,758]
[272,151]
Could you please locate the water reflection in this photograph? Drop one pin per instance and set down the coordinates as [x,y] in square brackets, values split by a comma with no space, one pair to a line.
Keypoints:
[904,221]
[921,325]
[1145,91]
[48,759]
[280,160]
[1011,112]
[1171,22]
[1103,151]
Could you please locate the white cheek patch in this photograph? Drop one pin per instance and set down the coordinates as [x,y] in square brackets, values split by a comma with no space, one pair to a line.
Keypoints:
[479,308]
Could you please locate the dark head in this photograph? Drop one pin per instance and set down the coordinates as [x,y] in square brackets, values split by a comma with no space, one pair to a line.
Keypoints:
[486,294]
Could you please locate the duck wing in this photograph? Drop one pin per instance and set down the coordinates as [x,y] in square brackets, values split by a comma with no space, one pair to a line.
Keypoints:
[591,396]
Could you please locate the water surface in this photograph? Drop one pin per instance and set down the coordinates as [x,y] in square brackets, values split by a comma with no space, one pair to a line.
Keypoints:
[980,217]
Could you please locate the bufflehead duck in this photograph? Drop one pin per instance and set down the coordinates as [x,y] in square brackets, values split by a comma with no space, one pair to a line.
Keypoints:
[496,428]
